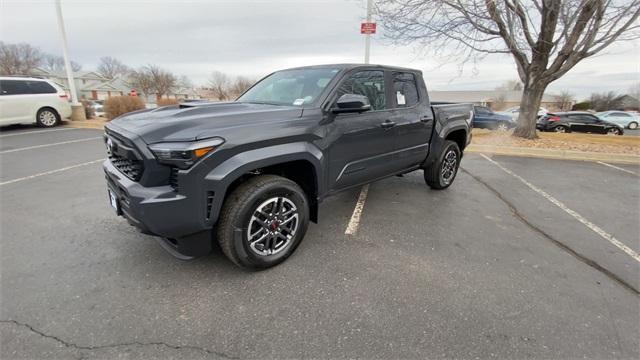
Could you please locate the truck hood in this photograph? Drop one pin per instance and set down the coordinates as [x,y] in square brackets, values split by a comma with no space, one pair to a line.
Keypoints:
[190,122]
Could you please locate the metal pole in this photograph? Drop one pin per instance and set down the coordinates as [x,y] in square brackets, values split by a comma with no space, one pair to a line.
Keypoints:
[65,54]
[367,41]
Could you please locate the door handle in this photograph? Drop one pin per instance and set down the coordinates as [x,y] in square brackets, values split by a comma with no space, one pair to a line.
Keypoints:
[388,124]
[425,119]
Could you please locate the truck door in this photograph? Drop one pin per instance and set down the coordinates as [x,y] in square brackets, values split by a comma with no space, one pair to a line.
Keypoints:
[413,118]
[361,144]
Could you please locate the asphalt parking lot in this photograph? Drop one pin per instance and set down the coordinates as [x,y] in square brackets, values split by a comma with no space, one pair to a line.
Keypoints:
[520,258]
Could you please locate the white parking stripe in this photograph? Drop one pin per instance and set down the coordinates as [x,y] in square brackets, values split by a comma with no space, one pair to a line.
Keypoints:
[616,167]
[36,132]
[573,213]
[47,145]
[352,228]
[50,172]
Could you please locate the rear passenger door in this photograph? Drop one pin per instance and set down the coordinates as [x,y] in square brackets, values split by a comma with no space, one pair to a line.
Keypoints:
[15,103]
[413,119]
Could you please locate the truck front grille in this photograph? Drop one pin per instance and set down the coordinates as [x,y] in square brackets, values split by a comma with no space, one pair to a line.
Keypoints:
[130,168]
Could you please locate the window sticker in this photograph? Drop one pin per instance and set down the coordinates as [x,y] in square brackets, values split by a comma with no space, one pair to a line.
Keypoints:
[400,98]
[298,102]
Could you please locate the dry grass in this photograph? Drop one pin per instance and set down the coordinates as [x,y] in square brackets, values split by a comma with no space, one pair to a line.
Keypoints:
[609,144]
[119,105]
[166,102]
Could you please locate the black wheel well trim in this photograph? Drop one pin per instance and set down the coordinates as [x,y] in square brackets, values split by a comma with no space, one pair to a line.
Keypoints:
[235,170]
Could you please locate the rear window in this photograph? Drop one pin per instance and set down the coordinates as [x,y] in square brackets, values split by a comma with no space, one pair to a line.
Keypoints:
[405,88]
[24,87]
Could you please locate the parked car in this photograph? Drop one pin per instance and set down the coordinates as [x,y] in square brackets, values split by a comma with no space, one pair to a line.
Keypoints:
[577,121]
[25,100]
[625,119]
[251,173]
[487,119]
[514,112]
[98,107]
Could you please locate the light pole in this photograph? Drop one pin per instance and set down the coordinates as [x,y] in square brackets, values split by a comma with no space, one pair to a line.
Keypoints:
[367,41]
[77,111]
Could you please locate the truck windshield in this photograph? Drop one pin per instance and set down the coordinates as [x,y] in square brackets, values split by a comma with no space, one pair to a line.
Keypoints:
[290,87]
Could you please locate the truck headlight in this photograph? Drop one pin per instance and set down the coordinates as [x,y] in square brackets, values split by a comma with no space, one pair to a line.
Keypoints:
[184,154]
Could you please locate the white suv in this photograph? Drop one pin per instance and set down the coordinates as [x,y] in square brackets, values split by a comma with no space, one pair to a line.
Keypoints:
[27,100]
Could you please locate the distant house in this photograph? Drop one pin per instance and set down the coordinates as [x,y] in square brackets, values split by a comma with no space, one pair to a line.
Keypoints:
[495,99]
[628,102]
[89,84]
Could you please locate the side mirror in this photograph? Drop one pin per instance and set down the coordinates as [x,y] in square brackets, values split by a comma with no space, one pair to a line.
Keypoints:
[349,103]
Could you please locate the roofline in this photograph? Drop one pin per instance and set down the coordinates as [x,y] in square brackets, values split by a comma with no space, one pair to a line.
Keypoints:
[350,66]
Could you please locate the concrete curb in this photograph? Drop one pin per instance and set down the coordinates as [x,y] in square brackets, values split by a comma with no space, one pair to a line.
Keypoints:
[555,154]
[86,124]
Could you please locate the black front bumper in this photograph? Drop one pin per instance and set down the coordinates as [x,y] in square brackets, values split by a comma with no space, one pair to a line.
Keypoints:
[160,211]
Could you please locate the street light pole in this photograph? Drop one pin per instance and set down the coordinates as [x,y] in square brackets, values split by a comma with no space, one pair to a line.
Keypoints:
[367,41]
[77,112]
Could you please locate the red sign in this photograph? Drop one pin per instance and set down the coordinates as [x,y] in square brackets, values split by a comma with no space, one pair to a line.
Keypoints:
[368,28]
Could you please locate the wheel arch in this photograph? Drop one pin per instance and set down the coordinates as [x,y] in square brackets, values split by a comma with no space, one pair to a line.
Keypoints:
[299,162]
[46,107]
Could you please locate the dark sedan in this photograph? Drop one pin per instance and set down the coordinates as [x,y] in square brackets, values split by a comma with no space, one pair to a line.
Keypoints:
[487,119]
[577,122]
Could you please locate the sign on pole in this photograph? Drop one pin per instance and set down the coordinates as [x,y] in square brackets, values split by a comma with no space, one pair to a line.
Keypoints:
[368,28]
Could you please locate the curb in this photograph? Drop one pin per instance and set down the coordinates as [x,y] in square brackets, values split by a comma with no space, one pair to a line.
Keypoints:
[555,154]
[88,124]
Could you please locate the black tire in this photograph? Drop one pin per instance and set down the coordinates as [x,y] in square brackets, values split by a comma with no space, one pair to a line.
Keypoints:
[434,175]
[633,125]
[47,117]
[561,129]
[237,218]
[613,131]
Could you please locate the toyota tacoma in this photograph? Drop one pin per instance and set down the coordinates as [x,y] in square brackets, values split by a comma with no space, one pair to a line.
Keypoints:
[251,173]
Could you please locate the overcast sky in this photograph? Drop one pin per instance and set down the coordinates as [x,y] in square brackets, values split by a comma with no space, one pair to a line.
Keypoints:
[253,38]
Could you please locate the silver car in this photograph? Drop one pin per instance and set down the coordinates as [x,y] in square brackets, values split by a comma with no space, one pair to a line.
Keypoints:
[622,118]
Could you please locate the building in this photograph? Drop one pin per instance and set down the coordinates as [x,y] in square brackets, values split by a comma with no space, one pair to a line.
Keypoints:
[629,103]
[495,99]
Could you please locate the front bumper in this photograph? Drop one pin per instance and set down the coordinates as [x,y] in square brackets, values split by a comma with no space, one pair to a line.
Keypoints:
[160,211]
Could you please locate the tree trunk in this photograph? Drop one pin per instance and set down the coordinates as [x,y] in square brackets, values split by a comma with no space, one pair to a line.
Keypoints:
[529,105]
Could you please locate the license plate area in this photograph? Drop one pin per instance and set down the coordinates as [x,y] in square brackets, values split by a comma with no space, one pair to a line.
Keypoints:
[113,201]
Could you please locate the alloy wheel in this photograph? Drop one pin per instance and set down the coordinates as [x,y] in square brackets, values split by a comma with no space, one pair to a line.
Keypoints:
[502,127]
[633,126]
[613,131]
[560,129]
[449,166]
[272,226]
[47,118]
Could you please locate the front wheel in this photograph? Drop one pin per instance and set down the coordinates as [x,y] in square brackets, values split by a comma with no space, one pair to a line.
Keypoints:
[442,173]
[263,221]
[561,129]
[502,126]
[614,131]
[633,125]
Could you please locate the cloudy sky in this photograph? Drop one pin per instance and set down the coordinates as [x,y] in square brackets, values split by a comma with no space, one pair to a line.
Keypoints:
[253,38]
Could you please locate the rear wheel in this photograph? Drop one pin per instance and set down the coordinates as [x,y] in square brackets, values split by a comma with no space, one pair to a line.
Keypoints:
[633,125]
[263,221]
[502,126]
[441,174]
[47,117]
[561,129]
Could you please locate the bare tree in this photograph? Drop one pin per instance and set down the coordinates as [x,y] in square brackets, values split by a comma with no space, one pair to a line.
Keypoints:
[510,85]
[110,67]
[55,63]
[19,59]
[219,83]
[545,38]
[564,101]
[634,91]
[240,85]
[142,81]
[185,82]
[606,101]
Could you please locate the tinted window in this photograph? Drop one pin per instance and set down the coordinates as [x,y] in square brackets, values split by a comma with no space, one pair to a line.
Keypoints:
[405,89]
[620,115]
[13,87]
[40,87]
[482,110]
[367,83]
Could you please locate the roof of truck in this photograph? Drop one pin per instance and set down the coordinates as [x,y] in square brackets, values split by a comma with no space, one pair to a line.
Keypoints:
[353,66]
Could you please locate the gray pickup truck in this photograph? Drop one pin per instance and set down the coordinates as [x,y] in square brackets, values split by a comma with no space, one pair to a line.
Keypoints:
[251,173]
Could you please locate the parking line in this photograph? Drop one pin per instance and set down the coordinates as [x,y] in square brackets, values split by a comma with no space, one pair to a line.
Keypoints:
[35,132]
[352,228]
[50,172]
[573,213]
[616,167]
[47,145]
